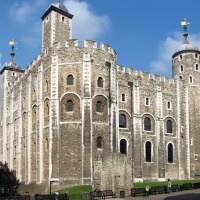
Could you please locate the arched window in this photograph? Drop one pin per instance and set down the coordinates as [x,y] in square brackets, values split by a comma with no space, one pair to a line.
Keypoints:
[147,124]
[148,151]
[123,97]
[169,126]
[170,153]
[70,80]
[100,82]
[99,106]
[123,146]
[69,105]
[197,67]
[122,121]
[99,142]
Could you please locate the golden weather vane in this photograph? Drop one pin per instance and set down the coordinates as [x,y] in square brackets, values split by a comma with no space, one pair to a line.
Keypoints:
[12,44]
[184,23]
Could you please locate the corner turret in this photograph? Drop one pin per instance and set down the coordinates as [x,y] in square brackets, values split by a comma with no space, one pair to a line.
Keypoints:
[186,60]
[57,26]
[12,65]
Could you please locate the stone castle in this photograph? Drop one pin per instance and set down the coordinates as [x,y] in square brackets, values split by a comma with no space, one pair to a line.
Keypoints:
[75,116]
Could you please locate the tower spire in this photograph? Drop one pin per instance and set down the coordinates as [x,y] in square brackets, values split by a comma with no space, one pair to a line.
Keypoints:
[57,1]
[185,24]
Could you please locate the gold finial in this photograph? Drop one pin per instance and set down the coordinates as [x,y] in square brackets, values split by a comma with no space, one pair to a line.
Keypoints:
[12,44]
[184,23]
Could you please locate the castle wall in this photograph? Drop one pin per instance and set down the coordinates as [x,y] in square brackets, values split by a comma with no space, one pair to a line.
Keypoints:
[69,130]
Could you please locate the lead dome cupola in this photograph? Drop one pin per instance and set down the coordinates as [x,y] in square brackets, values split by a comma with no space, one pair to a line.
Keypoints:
[12,64]
[186,46]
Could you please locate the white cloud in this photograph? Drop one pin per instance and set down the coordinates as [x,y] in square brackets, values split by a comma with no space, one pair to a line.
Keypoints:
[86,23]
[163,65]
[21,12]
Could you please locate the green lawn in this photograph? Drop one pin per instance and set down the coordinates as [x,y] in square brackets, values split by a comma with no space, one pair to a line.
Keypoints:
[78,190]
[151,184]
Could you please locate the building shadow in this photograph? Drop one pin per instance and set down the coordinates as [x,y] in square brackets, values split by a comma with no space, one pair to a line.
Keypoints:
[190,196]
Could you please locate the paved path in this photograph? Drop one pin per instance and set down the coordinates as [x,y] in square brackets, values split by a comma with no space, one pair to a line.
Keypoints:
[181,195]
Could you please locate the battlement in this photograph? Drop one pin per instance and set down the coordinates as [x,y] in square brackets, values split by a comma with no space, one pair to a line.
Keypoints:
[71,43]
[139,74]
[91,44]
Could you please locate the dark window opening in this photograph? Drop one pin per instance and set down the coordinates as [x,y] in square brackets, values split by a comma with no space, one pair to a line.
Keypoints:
[69,105]
[122,121]
[100,82]
[99,106]
[147,124]
[148,151]
[169,126]
[70,80]
[123,97]
[123,146]
[190,79]
[170,153]
[168,105]
[99,142]
[147,101]
[181,68]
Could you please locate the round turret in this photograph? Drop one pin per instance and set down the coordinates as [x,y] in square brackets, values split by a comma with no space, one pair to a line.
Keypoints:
[186,60]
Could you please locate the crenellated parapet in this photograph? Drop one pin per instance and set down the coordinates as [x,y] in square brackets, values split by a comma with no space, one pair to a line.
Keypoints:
[144,76]
[71,43]
[90,44]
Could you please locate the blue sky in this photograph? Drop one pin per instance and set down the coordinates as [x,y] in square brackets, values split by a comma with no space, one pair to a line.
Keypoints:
[144,33]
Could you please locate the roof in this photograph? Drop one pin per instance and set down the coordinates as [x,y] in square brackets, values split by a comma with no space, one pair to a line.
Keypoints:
[186,47]
[58,7]
[12,64]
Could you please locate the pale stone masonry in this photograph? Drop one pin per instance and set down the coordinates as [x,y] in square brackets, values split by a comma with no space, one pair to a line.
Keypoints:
[75,116]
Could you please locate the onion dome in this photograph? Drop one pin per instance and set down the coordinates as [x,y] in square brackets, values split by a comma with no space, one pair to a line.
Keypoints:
[186,46]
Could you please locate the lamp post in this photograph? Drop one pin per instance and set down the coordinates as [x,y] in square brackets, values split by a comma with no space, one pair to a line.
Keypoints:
[50,187]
